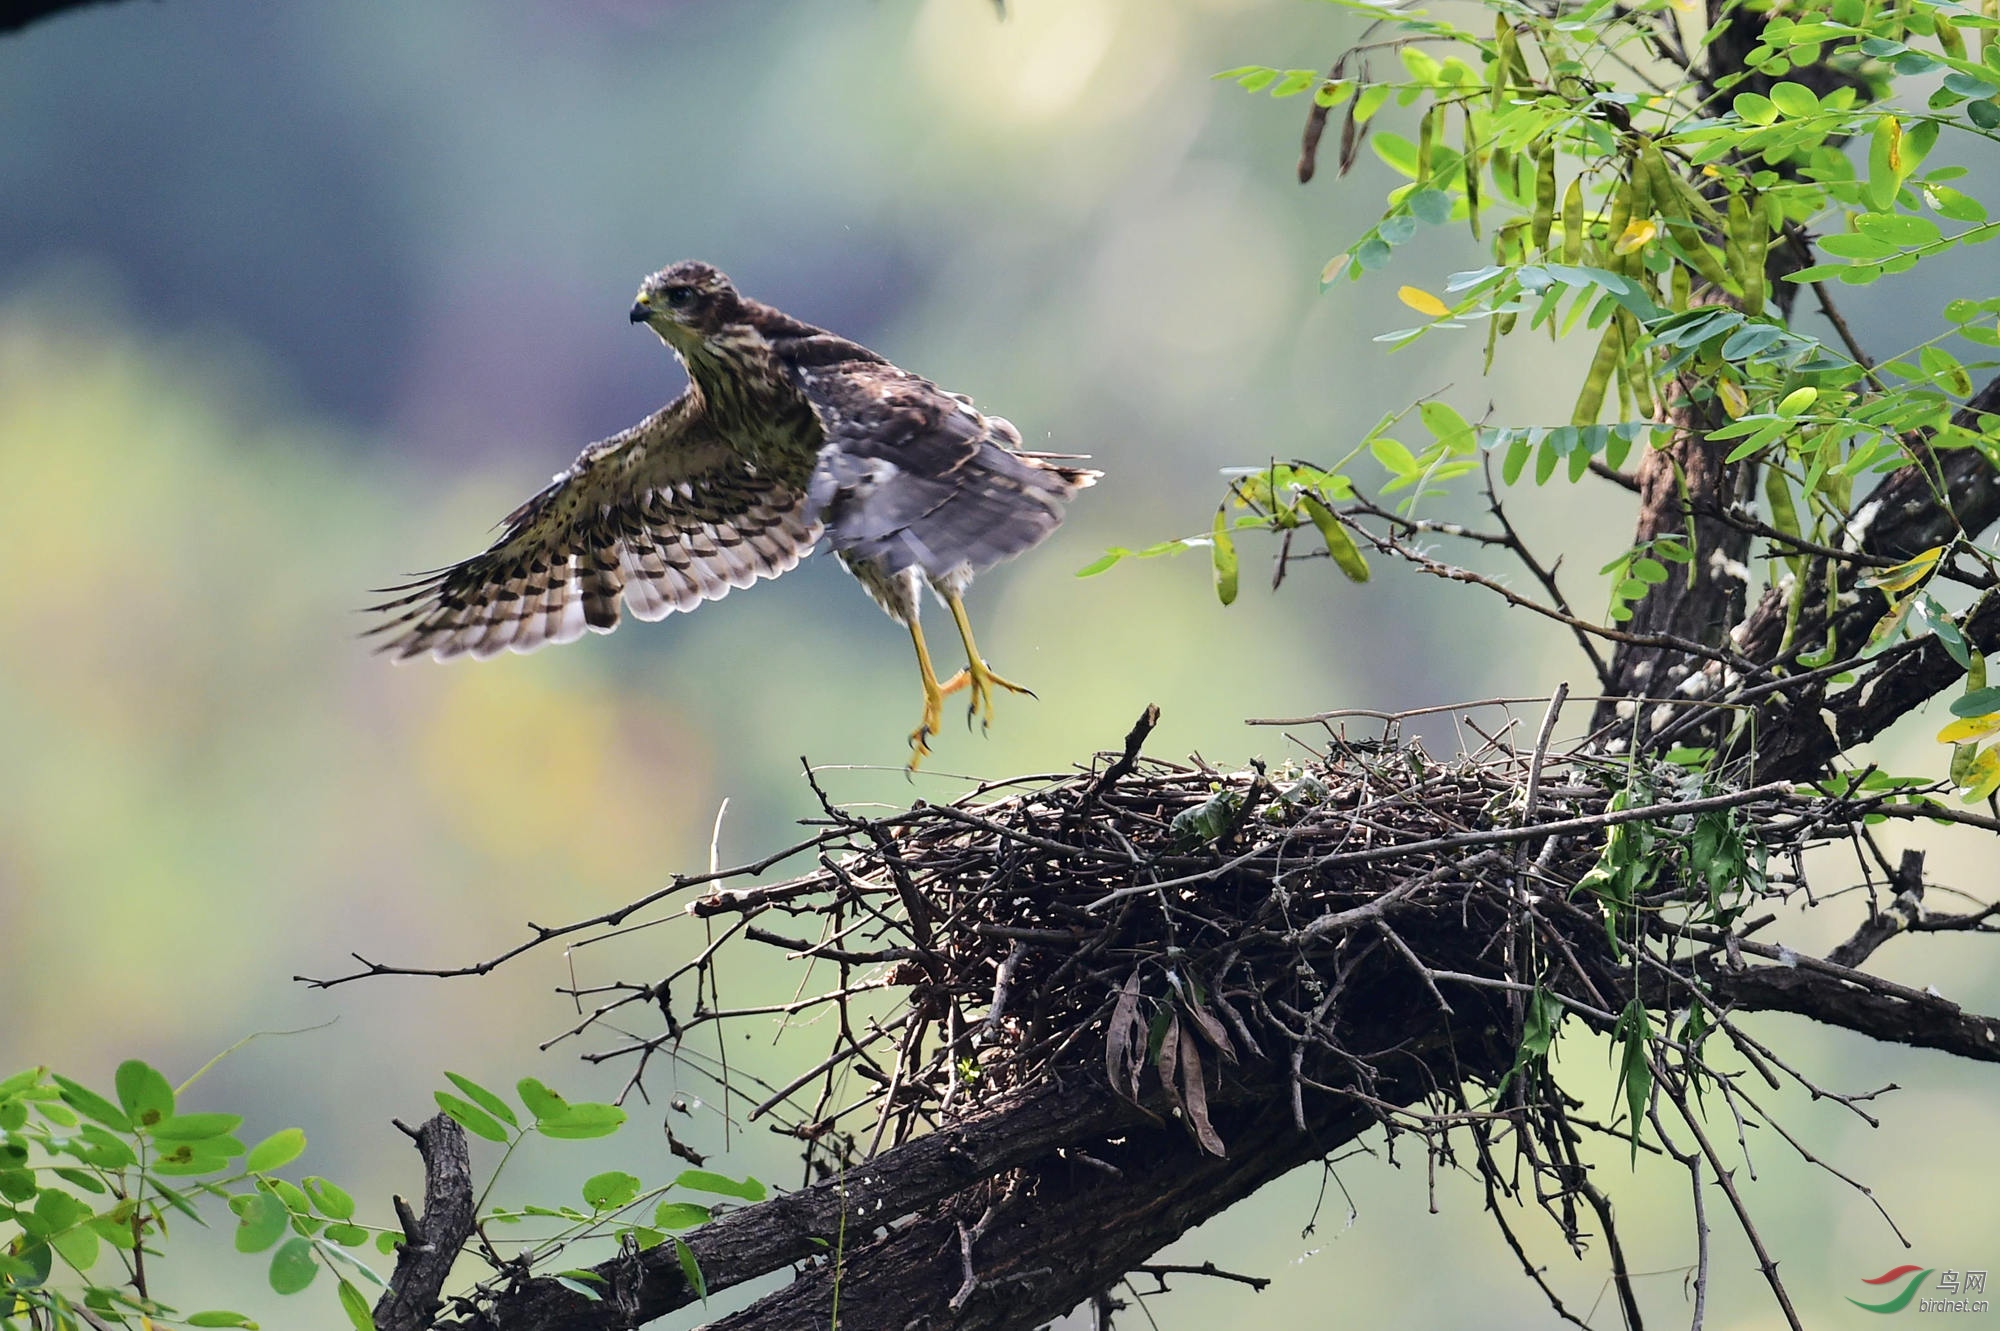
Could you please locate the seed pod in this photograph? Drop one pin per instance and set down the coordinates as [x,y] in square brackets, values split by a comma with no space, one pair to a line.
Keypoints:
[1426,136]
[1638,367]
[1573,223]
[1621,207]
[1471,174]
[1668,199]
[1747,241]
[1590,401]
[1545,194]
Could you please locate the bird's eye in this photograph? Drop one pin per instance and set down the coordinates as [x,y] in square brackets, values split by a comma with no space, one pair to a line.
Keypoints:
[680,297]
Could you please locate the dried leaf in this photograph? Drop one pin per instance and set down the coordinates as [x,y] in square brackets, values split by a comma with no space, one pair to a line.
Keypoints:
[1212,1030]
[1352,132]
[1170,1057]
[1123,1042]
[1309,148]
[1194,1097]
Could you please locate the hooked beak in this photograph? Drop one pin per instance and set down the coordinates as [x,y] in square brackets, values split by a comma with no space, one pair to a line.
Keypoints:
[641,312]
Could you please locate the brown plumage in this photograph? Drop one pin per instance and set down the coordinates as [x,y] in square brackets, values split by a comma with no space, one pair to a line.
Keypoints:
[785,432]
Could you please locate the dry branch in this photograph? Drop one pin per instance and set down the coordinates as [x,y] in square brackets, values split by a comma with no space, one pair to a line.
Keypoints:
[1116,1027]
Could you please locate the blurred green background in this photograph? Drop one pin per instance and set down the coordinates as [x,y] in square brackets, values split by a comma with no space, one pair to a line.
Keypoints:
[295,298]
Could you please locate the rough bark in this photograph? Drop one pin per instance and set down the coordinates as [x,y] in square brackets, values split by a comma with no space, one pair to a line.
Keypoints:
[1058,1194]
[1683,487]
[431,1242]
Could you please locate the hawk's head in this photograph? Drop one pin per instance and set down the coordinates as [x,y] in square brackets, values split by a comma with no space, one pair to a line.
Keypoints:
[687,303]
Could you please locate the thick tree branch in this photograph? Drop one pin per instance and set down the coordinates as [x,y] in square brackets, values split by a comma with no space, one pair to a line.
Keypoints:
[431,1242]
[804,1225]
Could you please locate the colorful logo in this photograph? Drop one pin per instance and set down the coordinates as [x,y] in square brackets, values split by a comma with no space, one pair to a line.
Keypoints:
[1913,1276]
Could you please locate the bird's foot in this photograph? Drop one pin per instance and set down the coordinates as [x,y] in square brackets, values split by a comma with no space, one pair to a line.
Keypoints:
[920,748]
[980,679]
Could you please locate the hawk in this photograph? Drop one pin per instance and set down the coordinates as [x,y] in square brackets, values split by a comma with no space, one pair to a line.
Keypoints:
[785,434]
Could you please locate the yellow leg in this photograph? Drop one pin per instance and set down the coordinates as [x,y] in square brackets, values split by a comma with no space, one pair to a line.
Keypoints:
[933,700]
[981,680]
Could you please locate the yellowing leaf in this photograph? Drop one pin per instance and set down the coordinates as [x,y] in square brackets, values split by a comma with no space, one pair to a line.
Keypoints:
[1734,400]
[1907,574]
[1423,302]
[1333,269]
[1984,777]
[1637,234]
[1970,728]
[1798,400]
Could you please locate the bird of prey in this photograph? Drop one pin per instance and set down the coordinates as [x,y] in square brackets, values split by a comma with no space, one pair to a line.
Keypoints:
[785,433]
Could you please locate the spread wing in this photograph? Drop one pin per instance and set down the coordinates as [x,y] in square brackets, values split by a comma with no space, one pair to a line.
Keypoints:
[664,515]
[914,476]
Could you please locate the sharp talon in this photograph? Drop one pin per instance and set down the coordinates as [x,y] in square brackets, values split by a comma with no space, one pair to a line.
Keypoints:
[920,748]
[981,681]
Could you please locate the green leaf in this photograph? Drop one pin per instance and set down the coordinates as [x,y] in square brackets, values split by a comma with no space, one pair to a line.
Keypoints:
[473,1119]
[295,1202]
[1100,564]
[1853,245]
[680,1215]
[1794,99]
[610,1190]
[92,1105]
[1635,1074]
[584,1120]
[1430,205]
[1222,553]
[1980,702]
[329,1199]
[261,1219]
[100,1149]
[1398,460]
[78,1246]
[702,1180]
[485,1099]
[1952,205]
[196,1127]
[21,1081]
[541,1101]
[355,1304]
[1451,429]
[280,1148]
[293,1267]
[219,1317]
[1755,108]
[691,1269]
[146,1094]
[1885,162]
[347,1236]
[576,1286]
[1899,228]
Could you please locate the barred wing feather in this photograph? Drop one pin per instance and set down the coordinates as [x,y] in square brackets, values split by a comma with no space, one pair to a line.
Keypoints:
[663,516]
